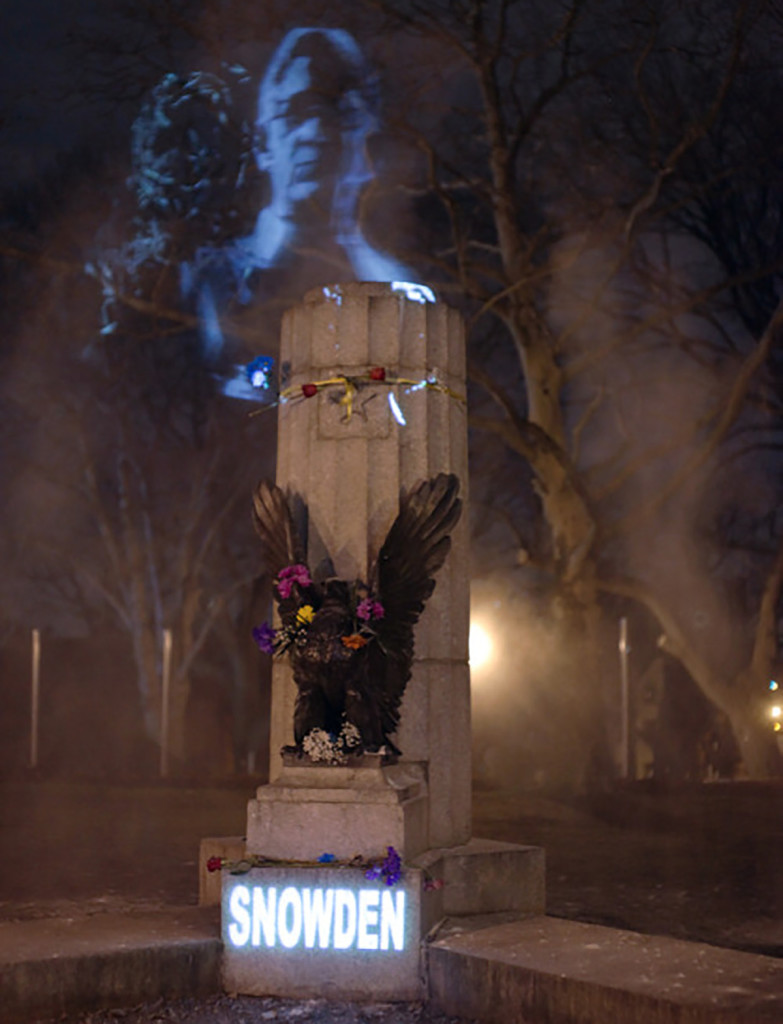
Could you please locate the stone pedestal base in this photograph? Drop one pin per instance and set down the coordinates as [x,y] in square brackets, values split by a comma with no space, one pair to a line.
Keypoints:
[346,811]
[322,931]
[313,929]
[329,931]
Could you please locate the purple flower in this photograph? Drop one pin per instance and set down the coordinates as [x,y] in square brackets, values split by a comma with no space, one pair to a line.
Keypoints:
[265,637]
[327,858]
[369,609]
[373,873]
[392,866]
[289,576]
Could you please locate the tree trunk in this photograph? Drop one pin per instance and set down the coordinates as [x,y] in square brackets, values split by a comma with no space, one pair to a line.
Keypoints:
[755,738]
[147,660]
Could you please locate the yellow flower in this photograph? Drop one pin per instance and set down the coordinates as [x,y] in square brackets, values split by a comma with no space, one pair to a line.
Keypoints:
[305,614]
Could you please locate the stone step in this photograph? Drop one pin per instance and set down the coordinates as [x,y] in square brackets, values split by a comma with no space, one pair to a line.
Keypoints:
[537,971]
[545,970]
[55,966]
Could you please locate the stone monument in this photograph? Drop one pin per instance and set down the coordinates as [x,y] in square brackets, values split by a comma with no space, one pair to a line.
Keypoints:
[373,402]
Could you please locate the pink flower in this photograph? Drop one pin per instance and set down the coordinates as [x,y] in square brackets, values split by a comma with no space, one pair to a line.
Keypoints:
[214,864]
[377,373]
[289,576]
[309,390]
[369,609]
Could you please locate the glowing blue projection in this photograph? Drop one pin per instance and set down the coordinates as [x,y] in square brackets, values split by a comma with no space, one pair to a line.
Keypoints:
[246,194]
[414,292]
[318,104]
[397,411]
[370,919]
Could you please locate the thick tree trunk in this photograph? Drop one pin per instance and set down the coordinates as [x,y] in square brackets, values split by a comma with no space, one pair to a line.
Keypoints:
[756,740]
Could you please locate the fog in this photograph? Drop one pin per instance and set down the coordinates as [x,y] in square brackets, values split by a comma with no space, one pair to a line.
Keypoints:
[136,296]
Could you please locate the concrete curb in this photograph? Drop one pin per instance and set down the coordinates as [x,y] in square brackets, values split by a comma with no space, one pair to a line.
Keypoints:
[563,972]
[491,968]
[51,967]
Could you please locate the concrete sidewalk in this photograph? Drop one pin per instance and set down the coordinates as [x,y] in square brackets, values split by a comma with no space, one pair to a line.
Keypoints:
[56,966]
[550,970]
[492,969]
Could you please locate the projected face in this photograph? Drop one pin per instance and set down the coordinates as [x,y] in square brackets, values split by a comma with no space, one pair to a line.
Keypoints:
[313,119]
[304,142]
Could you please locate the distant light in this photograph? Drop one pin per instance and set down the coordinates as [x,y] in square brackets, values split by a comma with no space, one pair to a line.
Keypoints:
[396,411]
[775,711]
[777,727]
[480,646]
[773,685]
[414,292]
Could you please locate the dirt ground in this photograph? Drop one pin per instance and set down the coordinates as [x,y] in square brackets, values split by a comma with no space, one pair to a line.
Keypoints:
[702,863]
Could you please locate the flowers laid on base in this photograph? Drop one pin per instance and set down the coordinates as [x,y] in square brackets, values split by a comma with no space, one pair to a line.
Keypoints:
[390,870]
[319,745]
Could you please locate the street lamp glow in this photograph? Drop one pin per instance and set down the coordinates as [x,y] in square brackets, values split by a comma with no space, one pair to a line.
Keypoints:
[479,646]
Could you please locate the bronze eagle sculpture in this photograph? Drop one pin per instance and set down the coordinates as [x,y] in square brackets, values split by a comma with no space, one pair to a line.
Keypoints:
[351,642]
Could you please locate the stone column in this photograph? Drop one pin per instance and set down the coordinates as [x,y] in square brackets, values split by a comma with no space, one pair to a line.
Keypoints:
[348,475]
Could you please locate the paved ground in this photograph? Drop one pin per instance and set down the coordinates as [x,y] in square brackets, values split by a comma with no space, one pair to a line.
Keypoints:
[248,1010]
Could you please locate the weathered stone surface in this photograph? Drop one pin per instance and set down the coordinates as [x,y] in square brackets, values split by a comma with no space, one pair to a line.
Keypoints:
[53,967]
[349,475]
[277,958]
[209,882]
[566,972]
[487,876]
[312,810]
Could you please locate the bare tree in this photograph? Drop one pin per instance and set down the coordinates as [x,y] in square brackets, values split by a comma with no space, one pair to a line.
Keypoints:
[585,182]
[566,173]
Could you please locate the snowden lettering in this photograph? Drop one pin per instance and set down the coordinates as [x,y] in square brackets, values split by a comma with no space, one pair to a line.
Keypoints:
[309,918]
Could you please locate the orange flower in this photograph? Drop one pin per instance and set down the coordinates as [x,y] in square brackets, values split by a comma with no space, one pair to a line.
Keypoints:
[354,641]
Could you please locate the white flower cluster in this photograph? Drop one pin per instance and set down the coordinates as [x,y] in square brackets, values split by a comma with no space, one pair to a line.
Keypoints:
[349,736]
[319,745]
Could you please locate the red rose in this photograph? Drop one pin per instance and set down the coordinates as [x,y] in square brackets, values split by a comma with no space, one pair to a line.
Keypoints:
[308,390]
[377,373]
[214,864]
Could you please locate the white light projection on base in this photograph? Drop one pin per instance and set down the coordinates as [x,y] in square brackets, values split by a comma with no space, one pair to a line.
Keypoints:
[291,917]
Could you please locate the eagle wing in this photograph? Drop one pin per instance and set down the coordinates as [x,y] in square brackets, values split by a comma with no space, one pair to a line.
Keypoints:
[280,541]
[403,578]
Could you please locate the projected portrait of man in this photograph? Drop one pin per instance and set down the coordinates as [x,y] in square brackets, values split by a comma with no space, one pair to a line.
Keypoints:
[317,105]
